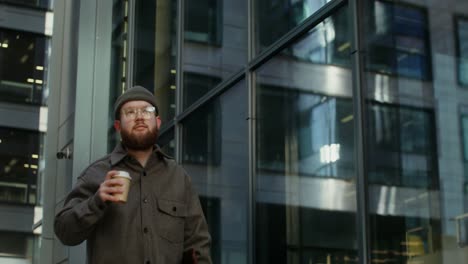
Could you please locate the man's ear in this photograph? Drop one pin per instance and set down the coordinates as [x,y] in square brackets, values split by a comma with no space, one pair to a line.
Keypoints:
[158,122]
[117,125]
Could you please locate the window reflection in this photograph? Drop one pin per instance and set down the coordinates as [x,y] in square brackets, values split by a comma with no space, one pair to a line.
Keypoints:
[277,17]
[215,154]
[307,141]
[215,44]
[203,20]
[205,145]
[197,86]
[155,52]
[402,175]
[118,64]
[398,40]
[328,42]
[305,173]
[462,49]
[19,165]
[23,66]
[167,143]
[323,126]
[402,147]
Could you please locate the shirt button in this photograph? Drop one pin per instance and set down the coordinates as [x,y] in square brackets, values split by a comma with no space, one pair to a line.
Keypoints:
[147,262]
[145,200]
[145,230]
[144,173]
[174,208]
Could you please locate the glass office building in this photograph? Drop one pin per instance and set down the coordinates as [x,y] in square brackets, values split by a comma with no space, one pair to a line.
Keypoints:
[25,31]
[324,131]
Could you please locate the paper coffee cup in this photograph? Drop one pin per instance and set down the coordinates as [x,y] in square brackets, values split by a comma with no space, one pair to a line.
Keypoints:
[126,176]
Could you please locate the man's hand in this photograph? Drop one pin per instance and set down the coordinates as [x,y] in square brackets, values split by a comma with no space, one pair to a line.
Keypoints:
[110,186]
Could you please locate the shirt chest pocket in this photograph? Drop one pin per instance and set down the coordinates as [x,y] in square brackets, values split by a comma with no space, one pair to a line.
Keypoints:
[171,219]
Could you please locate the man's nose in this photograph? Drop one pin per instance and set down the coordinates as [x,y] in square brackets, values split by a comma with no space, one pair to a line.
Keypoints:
[139,115]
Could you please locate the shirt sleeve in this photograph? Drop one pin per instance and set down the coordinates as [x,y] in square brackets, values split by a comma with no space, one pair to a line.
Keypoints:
[196,234]
[81,211]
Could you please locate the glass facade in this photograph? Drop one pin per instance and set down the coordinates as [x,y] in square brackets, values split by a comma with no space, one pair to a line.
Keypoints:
[305,172]
[24,69]
[261,103]
[215,154]
[276,17]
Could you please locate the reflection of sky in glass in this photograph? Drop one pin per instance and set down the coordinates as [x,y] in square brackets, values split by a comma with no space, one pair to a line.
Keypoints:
[316,46]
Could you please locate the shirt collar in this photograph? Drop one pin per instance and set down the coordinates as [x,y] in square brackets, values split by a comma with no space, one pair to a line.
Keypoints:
[119,153]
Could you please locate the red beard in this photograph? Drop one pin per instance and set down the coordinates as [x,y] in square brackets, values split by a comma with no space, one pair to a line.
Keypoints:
[139,141]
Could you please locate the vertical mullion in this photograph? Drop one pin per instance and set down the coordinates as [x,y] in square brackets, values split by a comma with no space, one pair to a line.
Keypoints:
[250,82]
[130,44]
[355,8]
[179,79]
[250,77]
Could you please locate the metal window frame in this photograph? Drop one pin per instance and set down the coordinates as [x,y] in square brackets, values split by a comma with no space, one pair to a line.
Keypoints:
[356,18]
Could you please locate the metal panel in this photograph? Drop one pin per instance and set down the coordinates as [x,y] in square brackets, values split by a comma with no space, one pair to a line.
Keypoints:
[31,20]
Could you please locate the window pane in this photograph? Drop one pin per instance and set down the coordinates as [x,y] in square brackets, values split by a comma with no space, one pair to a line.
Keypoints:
[215,154]
[155,52]
[23,67]
[305,186]
[118,64]
[397,39]
[277,17]
[19,156]
[401,143]
[14,246]
[462,37]
[199,85]
[215,44]
[401,146]
[167,143]
[202,21]
[327,43]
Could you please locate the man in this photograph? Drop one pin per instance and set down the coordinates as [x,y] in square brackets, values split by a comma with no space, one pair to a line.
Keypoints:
[162,218]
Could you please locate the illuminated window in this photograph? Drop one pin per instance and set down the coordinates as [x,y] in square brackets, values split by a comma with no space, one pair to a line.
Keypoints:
[19,165]
[23,66]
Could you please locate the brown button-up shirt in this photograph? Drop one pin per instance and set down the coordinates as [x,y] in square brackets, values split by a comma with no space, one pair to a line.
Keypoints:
[161,219]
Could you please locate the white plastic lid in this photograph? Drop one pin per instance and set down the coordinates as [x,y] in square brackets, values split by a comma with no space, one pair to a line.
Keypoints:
[123,174]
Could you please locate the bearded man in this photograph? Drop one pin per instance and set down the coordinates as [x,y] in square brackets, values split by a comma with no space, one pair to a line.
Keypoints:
[160,223]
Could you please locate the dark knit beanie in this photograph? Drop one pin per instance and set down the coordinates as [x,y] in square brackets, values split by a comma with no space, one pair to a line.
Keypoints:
[136,93]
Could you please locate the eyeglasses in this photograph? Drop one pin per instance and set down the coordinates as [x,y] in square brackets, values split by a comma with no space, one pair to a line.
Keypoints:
[146,112]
